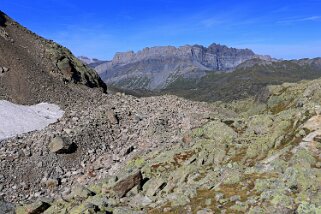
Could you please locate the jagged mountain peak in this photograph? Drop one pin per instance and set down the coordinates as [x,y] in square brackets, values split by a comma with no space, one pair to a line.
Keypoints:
[156,67]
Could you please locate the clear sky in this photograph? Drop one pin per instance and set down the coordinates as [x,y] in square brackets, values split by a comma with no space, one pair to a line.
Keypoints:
[281,28]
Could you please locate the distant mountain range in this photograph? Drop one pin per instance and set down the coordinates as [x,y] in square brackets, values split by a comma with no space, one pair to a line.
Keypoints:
[91,62]
[248,79]
[157,67]
[199,73]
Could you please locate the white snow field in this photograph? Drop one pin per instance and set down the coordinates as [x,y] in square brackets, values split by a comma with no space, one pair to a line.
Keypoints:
[18,119]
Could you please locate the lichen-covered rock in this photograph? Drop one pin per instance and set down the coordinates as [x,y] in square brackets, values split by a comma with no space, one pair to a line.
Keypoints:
[306,207]
[80,193]
[153,186]
[34,208]
[217,131]
[125,210]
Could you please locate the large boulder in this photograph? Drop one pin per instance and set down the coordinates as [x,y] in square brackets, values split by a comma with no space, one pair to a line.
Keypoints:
[60,145]
[6,208]
[126,184]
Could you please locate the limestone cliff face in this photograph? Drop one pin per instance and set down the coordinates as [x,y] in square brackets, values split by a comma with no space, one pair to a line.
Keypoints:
[156,67]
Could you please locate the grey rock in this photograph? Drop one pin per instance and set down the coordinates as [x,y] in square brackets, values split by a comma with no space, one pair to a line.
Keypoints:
[112,117]
[205,211]
[80,193]
[34,208]
[59,145]
[125,210]
[6,208]
[140,200]
[235,198]
[153,186]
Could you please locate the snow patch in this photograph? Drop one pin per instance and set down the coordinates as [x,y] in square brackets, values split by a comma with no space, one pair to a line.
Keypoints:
[18,119]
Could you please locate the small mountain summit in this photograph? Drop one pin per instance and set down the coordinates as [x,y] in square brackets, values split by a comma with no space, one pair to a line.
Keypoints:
[156,67]
[34,69]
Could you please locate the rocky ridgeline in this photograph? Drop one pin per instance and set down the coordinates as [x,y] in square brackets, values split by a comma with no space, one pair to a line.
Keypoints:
[156,67]
[263,158]
[40,70]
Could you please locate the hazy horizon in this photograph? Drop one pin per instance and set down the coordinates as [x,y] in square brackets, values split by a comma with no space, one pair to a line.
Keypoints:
[287,29]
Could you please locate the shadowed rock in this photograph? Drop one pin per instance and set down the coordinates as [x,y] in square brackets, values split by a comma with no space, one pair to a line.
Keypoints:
[2,19]
[35,208]
[59,145]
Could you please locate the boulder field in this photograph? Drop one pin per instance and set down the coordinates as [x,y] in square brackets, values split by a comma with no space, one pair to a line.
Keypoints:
[244,157]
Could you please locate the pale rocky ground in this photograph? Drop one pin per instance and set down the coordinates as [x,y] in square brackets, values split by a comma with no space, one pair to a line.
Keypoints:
[103,134]
[241,157]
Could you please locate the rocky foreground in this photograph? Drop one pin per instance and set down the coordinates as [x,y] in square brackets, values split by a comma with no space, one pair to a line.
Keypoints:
[92,141]
[260,156]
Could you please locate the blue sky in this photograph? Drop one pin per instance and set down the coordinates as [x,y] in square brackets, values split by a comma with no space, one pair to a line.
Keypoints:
[284,28]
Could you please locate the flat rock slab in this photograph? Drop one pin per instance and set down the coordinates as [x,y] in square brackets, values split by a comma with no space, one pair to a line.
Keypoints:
[314,123]
[18,119]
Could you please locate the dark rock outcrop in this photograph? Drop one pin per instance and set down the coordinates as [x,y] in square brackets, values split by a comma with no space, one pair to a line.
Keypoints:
[40,70]
[6,208]
[2,19]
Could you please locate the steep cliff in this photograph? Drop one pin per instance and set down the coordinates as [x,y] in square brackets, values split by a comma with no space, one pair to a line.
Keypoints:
[156,67]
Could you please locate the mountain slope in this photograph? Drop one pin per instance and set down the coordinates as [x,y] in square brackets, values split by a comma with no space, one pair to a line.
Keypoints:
[247,80]
[155,68]
[35,69]
[97,130]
